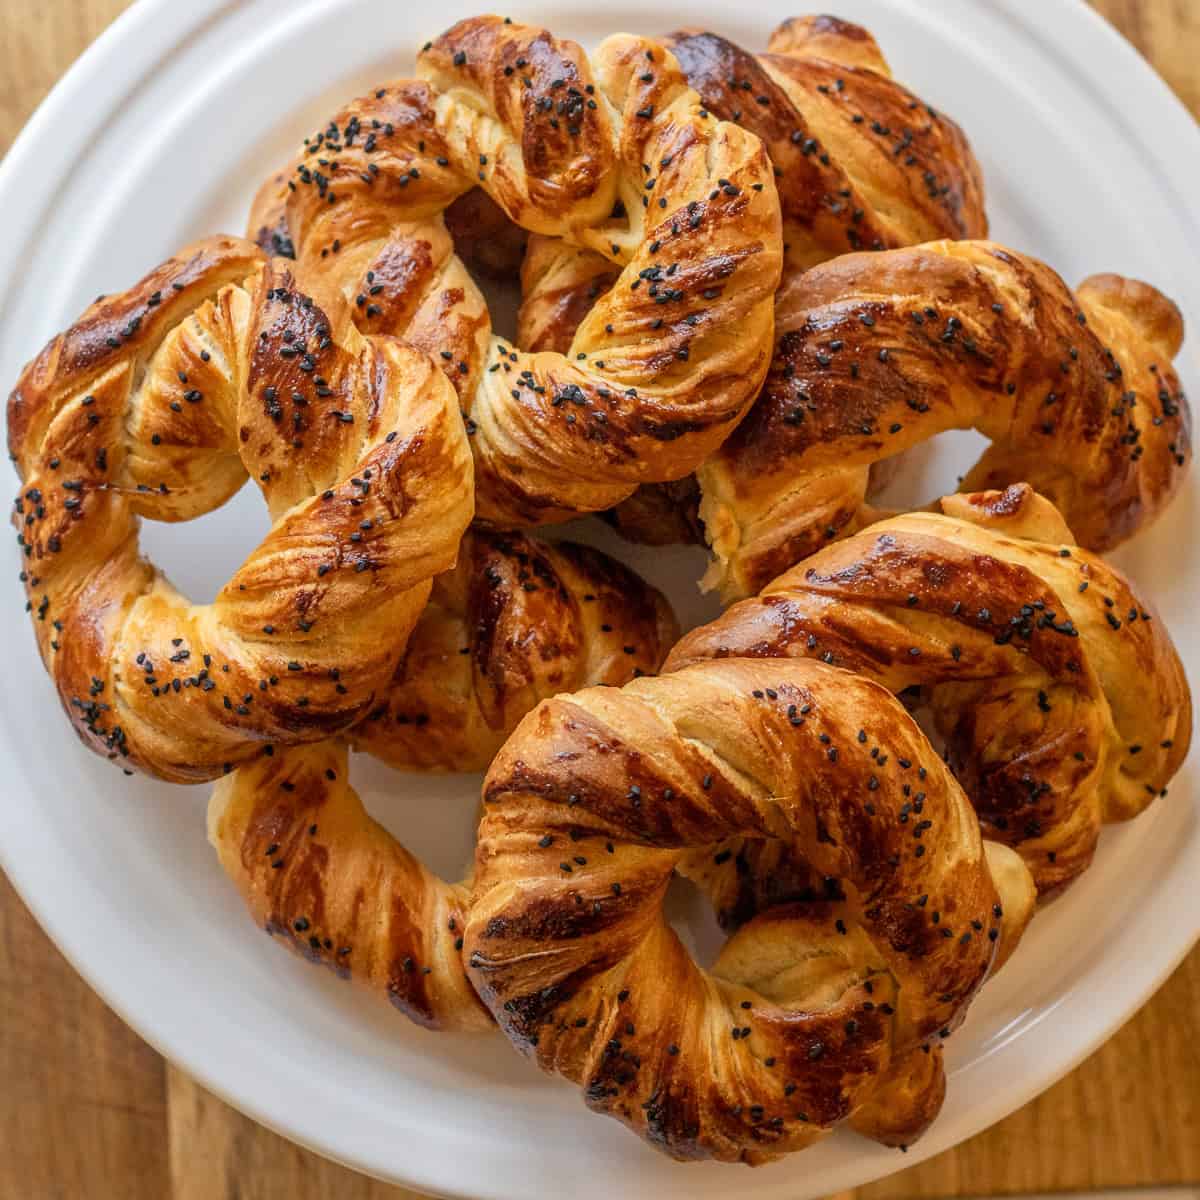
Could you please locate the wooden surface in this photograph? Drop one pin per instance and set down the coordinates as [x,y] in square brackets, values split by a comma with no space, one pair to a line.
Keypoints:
[89,1112]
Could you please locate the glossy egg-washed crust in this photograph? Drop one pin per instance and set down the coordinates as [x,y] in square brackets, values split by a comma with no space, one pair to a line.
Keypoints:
[598,797]
[517,621]
[318,874]
[1060,695]
[859,162]
[158,402]
[514,622]
[877,353]
[625,161]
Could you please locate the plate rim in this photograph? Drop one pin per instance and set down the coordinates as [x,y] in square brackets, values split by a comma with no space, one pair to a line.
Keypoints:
[1059,25]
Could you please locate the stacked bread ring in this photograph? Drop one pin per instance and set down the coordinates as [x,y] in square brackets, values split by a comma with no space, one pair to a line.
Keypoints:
[750,283]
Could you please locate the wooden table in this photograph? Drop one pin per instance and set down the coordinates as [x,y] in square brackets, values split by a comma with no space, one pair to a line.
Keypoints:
[89,1112]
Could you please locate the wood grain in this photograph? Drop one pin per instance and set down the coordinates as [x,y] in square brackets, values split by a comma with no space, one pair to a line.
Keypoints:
[89,1112]
[83,1099]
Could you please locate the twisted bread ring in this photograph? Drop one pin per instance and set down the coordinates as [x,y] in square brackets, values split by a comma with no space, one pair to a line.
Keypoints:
[879,352]
[875,354]
[589,808]
[1063,703]
[516,622]
[158,402]
[665,366]
[860,162]
[745,877]
[524,620]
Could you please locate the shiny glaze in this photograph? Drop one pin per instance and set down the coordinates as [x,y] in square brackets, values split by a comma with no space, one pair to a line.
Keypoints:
[598,797]
[158,402]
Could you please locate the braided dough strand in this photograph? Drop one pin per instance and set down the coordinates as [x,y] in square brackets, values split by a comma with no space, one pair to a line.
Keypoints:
[158,402]
[877,353]
[592,804]
[320,875]
[1058,690]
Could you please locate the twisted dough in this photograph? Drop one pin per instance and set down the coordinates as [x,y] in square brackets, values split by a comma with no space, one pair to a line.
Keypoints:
[861,163]
[1061,697]
[877,353]
[157,403]
[744,877]
[517,621]
[592,804]
[631,165]
[512,623]
[318,873]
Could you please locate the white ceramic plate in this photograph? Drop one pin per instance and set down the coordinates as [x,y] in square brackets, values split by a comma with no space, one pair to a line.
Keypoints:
[158,135]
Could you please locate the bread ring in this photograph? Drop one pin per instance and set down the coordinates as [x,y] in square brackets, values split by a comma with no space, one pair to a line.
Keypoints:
[1061,697]
[590,806]
[514,622]
[880,352]
[860,162]
[745,877]
[158,402]
[665,367]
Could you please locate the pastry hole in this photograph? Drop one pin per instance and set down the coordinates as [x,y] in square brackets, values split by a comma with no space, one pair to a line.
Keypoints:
[931,469]
[200,556]
[688,911]
[433,815]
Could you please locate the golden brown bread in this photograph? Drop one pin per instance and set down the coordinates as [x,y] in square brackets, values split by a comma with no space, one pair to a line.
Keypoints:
[559,285]
[626,162]
[589,808]
[744,877]
[158,402]
[514,622]
[877,353]
[517,621]
[1059,693]
[360,211]
[860,163]
[318,873]
[1106,438]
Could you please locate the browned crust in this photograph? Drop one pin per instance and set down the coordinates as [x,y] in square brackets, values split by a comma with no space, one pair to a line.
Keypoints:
[1062,699]
[516,622]
[158,402]
[594,801]
[877,353]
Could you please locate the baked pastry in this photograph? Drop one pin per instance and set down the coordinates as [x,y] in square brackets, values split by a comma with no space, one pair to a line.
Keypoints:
[744,877]
[514,622]
[589,808]
[628,163]
[860,163]
[517,621]
[877,353]
[319,874]
[158,402]
[488,243]
[1059,693]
